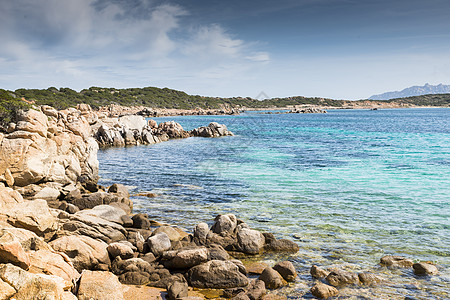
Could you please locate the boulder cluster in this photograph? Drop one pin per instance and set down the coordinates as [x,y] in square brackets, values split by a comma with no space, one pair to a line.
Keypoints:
[328,281]
[63,236]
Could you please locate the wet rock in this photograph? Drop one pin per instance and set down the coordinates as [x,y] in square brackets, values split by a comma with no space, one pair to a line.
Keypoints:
[216,274]
[100,286]
[396,261]
[250,241]
[368,279]
[256,267]
[120,249]
[286,270]
[83,251]
[240,266]
[224,224]
[280,245]
[340,278]
[159,243]
[318,273]
[185,259]
[423,268]
[323,291]
[272,278]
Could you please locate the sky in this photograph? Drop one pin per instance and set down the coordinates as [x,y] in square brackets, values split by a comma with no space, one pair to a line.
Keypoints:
[340,49]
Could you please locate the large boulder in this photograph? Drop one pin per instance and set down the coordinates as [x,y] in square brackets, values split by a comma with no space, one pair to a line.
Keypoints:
[48,262]
[106,212]
[30,286]
[100,286]
[83,251]
[91,226]
[185,259]
[216,274]
[34,216]
[132,122]
[224,224]
[250,241]
[159,243]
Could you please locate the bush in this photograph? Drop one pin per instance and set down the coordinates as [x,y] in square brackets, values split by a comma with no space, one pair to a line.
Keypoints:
[9,108]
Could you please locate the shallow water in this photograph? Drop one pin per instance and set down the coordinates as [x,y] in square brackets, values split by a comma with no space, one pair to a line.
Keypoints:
[349,186]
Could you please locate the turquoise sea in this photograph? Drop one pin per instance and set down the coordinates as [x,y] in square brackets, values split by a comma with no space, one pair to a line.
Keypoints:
[349,187]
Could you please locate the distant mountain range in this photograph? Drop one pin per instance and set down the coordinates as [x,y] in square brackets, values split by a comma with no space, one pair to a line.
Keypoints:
[427,89]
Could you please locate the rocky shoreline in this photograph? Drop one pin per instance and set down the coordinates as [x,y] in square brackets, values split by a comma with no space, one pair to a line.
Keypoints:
[63,236]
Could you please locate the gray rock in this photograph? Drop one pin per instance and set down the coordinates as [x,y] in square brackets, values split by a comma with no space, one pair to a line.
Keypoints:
[250,241]
[256,289]
[171,232]
[120,249]
[141,221]
[224,224]
[216,274]
[177,290]
[280,245]
[201,233]
[286,270]
[159,243]
[106,212]
[368,279]
[185,259]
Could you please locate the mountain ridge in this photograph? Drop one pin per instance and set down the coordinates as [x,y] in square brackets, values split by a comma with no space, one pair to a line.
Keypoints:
[412,91]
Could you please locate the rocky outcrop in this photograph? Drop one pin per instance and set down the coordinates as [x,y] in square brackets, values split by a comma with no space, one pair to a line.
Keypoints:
[307,110]
[48,146]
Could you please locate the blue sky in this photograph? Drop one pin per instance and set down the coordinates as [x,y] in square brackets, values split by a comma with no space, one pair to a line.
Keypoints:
[342,49]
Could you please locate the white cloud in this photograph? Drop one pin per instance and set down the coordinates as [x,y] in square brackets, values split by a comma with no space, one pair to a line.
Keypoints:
[78,43]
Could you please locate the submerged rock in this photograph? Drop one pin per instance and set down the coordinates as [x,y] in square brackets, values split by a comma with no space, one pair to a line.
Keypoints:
[396,261]
[272,278]
[323,291]
[424,268]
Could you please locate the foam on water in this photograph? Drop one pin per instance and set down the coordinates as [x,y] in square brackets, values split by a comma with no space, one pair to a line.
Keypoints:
[351,186]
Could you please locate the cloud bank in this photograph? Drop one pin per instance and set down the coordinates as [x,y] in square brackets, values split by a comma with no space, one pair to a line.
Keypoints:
[79,43]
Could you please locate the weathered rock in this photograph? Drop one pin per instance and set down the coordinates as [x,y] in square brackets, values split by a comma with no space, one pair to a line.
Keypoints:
[340,278]
[177,290]
[256,289]
[368,279]
[31,286]
[94,227]
[424,268]
[11,251]
[185,259]
[45,261]
[280,245]
[120,249]
[272,278]
[100,286]
[250,241]
[256,268]
[119,189]
[318,273]
[224,224]
[6,291]
[106,212]
[84,252]
[216,274]
[159,243]
[396,261]
[48,194]
[27,239]
[8,198]
[34,216]
[323,291]
[240,266]
[141,221]
[216,252]
[213,130]
[171,232]
[286,270]
[241,296]
[201,233]
[135,278]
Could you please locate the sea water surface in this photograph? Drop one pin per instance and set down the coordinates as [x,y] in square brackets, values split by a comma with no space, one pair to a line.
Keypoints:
[349,187]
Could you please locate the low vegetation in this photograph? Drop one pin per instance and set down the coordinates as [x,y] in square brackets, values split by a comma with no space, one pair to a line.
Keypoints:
[9,107]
